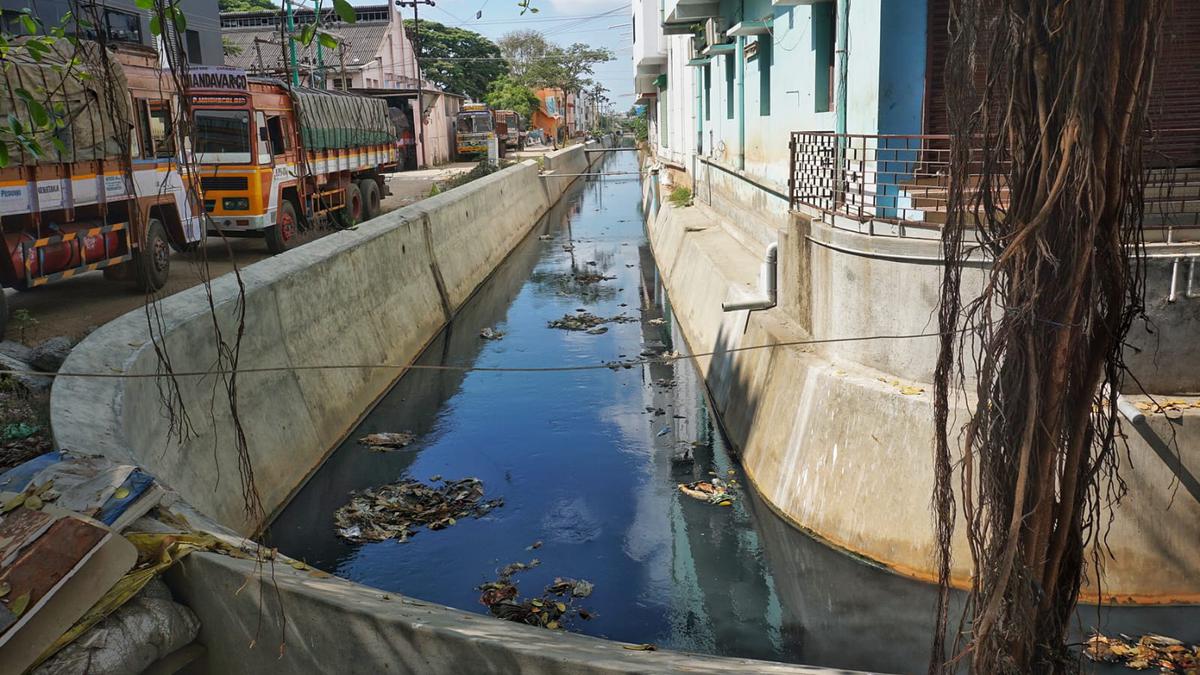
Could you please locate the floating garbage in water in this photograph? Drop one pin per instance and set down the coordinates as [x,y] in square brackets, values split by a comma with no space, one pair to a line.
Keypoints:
[490,334]
[591,278]
[578,588]
[713,492]
[385,441]
[579,321]
[394,511]
[545,237]
[1166,654]
[655,411]
[551,610]
[656,322]
[598,330]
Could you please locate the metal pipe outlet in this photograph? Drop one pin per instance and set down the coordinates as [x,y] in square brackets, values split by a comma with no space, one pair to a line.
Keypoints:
[768,284]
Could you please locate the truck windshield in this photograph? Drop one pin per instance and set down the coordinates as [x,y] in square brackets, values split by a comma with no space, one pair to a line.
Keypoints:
[223,136]
[475,123]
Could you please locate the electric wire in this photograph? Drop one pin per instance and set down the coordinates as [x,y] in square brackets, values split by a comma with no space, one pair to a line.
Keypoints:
[614,365]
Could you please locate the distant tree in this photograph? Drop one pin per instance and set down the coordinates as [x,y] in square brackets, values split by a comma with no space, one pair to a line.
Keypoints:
[507,93]
[525,50]
[245,5]
[576,64]
[536,62]
[457,60]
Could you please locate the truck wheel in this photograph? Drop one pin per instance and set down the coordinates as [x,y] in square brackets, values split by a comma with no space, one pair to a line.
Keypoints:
[352,213]
[280,235]
[152,263]
[370,197]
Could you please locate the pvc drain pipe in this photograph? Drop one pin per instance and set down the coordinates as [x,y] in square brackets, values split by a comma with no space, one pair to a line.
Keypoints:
[768,282]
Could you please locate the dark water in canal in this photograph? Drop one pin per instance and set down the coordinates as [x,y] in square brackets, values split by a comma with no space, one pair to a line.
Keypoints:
[585,469]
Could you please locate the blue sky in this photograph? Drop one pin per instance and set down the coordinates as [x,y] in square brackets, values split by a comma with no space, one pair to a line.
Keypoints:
[599,23]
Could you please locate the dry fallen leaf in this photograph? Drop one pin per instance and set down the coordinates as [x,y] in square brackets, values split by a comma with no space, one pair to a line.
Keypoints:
[911,390]
[19,605]
[641,648]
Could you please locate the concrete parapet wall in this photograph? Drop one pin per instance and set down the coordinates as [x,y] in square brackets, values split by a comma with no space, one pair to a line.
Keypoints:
[333,625]
[834,444]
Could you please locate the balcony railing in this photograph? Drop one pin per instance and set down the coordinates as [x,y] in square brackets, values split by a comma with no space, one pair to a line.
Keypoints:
[904,180]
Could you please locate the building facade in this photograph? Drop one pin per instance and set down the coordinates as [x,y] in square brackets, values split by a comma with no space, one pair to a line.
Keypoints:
[813,135]
[123,21]
[374,52]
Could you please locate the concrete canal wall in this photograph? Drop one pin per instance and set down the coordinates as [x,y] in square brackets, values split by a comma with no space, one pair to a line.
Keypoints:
[377,294]
[373,295]
[838,437]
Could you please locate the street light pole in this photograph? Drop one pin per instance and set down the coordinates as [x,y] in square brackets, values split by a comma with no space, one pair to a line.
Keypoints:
[417,64]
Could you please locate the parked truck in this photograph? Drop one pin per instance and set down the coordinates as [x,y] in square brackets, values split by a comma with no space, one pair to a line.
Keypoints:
[476,128]
[106,192]
[275,158]
[514,138]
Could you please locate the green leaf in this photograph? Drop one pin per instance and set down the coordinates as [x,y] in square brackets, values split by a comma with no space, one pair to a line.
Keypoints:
[15,124]
[29,24]
[328,41]
[179,19]
[155,26]
[306,34]
[59,145]
[37,113]
[3,154]
[345,10]
[144,4]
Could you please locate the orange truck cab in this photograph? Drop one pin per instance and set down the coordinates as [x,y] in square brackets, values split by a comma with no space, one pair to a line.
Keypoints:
[273,158]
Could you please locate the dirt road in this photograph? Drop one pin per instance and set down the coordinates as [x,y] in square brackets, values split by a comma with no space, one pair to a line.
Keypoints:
[75,307]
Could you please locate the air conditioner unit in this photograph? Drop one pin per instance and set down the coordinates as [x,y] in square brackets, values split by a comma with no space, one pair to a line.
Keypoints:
[714,31]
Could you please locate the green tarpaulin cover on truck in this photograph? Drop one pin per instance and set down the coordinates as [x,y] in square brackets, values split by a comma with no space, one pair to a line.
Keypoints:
[340,120]
[96,106]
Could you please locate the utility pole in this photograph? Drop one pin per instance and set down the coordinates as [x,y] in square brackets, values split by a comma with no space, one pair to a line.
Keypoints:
[417,64]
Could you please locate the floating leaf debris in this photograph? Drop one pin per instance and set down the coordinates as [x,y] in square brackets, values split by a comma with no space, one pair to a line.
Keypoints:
[395,511]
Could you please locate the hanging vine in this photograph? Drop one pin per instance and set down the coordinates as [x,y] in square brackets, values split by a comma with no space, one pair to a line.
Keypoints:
[1047,111]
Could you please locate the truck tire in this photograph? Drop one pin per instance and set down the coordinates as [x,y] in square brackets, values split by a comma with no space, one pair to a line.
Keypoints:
[152,262]
[370,197]
[280,235]
[352,213]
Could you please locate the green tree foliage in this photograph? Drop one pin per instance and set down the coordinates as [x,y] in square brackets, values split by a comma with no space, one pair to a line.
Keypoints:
[537,62]
[458,60]
[245,5]
[508,94]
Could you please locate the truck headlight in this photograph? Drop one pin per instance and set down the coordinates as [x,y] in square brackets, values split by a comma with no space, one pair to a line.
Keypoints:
[236,203]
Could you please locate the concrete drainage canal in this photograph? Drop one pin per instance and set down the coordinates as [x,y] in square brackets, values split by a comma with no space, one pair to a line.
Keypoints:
[553,460]
[601,473]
